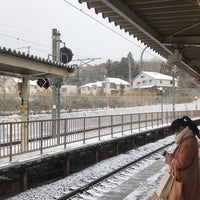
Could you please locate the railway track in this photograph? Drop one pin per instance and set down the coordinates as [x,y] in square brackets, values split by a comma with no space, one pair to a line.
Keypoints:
[112,179]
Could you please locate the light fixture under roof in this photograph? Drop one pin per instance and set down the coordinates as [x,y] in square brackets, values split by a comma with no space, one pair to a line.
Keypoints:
[198,3]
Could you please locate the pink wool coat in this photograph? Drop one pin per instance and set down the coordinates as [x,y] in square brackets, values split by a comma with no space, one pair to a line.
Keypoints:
[187,160]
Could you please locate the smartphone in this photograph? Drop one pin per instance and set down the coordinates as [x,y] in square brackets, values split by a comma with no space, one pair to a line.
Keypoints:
[164,153]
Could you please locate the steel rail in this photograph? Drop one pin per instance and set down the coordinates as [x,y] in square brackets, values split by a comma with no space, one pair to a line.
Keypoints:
[97,181]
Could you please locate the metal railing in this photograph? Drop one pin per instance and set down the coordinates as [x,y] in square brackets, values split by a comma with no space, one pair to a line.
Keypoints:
[29,136]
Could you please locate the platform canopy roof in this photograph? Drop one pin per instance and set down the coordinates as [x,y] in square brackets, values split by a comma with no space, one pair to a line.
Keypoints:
[166,26]
[17,64]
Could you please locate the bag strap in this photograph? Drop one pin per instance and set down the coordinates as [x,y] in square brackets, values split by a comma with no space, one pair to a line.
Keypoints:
[174,170]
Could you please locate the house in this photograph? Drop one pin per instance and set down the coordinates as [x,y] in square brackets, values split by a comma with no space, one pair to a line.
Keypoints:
[114,86]
[108,86]
[154,81]
[69,90]
[9,86]
[92,89]
[34,88]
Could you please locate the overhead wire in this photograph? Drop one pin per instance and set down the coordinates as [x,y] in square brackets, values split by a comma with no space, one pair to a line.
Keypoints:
[27,41]
[30,42]
[16,28]
[93,18]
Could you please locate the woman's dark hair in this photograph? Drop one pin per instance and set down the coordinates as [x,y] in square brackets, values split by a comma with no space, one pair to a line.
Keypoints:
[183,122]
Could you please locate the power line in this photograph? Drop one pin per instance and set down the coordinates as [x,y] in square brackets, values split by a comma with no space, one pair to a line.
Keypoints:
[41,45]
[33,33]
[22,40]
[101,23]
[108,27]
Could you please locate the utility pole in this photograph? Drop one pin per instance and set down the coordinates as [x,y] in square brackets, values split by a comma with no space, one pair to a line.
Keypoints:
[172,60]
[129,67]
[24,113]
[56,86]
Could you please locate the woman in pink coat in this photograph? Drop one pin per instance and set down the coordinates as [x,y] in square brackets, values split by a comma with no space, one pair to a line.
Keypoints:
[185,157]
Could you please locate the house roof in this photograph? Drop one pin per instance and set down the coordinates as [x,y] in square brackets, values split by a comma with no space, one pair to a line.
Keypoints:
[117,81]
[158,76]
[87,85]
[98,84]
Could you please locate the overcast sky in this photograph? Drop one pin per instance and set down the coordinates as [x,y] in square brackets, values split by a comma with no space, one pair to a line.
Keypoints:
[26,23]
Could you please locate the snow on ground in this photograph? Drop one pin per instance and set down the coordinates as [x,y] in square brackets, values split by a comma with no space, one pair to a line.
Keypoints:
[111,111]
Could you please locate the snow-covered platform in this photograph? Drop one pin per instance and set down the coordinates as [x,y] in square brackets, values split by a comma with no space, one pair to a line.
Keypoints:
[140,186]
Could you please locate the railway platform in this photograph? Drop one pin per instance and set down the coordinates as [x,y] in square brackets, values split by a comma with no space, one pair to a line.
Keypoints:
[140,186]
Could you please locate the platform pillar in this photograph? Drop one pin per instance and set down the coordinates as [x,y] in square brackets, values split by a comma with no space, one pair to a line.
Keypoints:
[23,181]
[97,156]
[67,167]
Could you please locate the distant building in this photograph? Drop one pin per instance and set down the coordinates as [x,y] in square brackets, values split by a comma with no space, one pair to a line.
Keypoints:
[113,86]
[34,88]
[109,87]
[9,86]
[92,89]
[153,81]
[69,90]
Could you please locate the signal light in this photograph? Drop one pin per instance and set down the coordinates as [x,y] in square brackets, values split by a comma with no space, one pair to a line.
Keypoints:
[65,55]
[43,82]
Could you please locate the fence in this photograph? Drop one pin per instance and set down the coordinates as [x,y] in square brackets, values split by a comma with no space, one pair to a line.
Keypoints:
[23,137]
[10,103]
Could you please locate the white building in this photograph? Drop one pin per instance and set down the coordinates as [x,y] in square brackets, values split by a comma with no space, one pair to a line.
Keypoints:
[34,88]
[109,86]
[69,90]
[113,86]
[9,86]
[153,81]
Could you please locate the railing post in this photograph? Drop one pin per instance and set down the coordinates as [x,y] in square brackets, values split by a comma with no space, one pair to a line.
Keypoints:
[167,118]
[111,126]
[131,123]
[146,121]
[84,131]
[58,131]
[10,141]
[122,124]
[99,124]
[65,134]
[157,119]
[41,140]
[139,121]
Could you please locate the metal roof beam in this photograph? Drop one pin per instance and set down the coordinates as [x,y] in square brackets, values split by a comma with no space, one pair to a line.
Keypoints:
[132,18]
[185,40]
